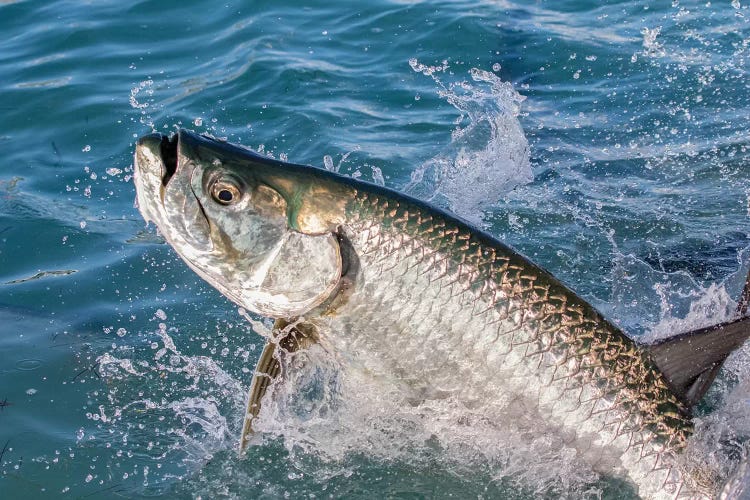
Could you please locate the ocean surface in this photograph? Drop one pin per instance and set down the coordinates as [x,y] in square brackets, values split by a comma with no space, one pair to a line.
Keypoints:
[607,141]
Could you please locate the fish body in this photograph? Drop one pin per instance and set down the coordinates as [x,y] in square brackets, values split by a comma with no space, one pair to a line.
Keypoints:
[455,313]
[448,310]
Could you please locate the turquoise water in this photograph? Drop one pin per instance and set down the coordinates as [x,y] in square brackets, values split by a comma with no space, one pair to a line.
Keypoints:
[606,141]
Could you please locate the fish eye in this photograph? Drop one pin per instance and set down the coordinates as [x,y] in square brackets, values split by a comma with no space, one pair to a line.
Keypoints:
[225,192]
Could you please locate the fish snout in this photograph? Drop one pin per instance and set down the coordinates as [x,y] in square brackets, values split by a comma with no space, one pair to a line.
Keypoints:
[155,164]
[160,153]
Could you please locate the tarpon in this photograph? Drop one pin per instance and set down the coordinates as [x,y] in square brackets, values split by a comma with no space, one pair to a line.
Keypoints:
[437,302]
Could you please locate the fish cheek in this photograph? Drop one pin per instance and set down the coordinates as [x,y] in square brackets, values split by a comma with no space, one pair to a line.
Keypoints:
[245,237]
[198,228]
[304,273]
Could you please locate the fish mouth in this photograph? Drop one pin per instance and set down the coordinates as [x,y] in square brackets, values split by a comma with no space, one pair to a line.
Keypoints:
[155,164]
[164,194]
[169,147]
[165,148]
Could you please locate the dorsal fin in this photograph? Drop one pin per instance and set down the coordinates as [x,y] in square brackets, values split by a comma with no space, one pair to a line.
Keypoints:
[690,361]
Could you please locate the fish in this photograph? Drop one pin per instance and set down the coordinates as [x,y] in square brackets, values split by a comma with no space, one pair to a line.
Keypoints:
[436,302]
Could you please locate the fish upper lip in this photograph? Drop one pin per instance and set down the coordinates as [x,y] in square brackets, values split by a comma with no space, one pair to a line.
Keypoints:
[166,148]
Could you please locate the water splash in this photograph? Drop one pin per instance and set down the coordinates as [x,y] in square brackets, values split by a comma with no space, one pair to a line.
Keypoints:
[488,154]
[652,47]
[327,413]
[173,410]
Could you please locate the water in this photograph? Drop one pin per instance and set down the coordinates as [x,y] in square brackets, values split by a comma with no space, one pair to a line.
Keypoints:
[607,142]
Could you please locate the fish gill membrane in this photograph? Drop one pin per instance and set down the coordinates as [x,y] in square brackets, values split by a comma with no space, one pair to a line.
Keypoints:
[488,154]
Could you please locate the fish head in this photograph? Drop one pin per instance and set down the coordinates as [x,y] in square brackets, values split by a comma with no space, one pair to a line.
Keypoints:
[263,232]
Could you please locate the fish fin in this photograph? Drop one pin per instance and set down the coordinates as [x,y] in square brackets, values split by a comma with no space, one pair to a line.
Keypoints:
[290,337]
[690,361]
[265,372]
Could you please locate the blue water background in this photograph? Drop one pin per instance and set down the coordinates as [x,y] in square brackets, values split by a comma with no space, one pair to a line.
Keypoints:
[636,119]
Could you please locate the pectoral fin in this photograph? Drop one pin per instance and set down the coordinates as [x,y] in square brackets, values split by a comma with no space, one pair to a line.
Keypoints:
[288,338]
[266,371]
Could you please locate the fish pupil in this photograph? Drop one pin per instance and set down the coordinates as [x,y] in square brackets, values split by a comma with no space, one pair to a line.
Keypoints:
[225,195]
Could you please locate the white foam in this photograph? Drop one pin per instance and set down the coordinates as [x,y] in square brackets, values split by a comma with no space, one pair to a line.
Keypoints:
[335,411]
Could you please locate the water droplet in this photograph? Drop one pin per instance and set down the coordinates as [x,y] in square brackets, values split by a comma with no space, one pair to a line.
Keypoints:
[377,176]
